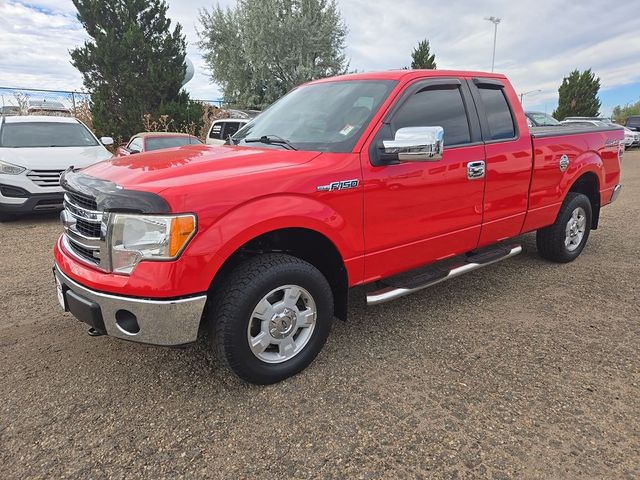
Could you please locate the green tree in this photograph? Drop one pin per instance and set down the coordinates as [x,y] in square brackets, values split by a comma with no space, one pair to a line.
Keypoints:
[133,64]
[578,95]
[261,49]
[621,112]
[422,57]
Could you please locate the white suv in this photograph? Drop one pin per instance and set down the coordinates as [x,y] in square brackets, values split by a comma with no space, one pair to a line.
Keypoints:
[34,151]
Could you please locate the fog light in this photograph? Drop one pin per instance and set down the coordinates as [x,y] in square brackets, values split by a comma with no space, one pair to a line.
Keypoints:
[127,322]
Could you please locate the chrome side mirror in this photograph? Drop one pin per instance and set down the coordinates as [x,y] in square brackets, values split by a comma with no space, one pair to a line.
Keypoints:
[106,141]
[416,144]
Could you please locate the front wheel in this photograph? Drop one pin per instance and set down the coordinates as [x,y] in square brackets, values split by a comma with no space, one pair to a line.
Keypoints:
[271,317]
[563,241]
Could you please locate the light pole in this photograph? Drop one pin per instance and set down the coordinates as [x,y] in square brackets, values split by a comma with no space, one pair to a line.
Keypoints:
[522,95]
[495,21]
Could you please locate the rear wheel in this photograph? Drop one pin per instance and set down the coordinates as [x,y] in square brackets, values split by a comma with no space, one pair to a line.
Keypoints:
[564,240]
[271,318]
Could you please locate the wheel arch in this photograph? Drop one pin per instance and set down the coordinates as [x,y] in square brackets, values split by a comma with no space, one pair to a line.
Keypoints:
[588,183]
[305,243]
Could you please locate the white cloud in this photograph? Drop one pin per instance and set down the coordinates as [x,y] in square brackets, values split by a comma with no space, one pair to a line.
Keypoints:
[539,41]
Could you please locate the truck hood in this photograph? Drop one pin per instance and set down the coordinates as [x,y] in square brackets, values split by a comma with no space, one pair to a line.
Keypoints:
[190,164]
[54,158]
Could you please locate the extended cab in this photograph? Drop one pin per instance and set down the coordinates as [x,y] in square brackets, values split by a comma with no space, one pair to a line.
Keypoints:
[397,180]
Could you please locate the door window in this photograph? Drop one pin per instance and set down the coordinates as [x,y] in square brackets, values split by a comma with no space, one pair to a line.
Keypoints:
[135,144]
[436,108]
[501,125]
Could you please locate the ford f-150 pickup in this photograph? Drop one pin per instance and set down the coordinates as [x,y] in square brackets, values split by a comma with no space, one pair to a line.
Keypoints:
[396,180]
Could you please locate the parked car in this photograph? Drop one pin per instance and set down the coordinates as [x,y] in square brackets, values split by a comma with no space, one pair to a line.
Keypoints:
[606,120]
[366,179]
[586,123]
[34,151]
[541,119]
[633,123]
[51,107]
[149,141]
[631,138]
[222,129]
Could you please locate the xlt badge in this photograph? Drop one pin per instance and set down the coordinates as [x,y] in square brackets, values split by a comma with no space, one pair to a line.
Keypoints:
[341,185]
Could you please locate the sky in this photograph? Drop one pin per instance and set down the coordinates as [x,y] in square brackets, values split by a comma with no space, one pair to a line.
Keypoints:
[538,42]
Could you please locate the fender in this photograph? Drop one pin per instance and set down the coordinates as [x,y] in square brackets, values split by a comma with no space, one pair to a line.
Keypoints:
[244,223]
[550,185]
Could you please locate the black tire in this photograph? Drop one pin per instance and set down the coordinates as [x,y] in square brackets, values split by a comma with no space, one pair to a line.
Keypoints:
[233,304]
[551,240]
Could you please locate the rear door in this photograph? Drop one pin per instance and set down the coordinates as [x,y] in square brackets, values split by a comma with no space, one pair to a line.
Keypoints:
[509,159]
[419,212]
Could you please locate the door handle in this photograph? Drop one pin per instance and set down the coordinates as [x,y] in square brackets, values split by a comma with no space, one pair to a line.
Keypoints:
[475,170]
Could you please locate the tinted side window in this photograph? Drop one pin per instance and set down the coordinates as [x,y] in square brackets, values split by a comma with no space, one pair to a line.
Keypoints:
[436,108]
[498,114]
[216,131]
[230,129]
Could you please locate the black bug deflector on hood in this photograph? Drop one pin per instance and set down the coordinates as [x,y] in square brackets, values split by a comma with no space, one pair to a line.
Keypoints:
[110,197]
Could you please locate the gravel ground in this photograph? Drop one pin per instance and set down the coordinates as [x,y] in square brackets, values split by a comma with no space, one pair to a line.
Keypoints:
[525,369]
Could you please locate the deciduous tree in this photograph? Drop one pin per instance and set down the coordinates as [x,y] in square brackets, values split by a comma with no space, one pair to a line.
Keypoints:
[261,49]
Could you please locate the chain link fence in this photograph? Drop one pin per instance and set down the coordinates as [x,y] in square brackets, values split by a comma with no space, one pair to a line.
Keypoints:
[30,101]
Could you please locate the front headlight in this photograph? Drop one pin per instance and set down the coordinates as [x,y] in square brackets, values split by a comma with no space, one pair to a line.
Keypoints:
[148,237]
[9,169]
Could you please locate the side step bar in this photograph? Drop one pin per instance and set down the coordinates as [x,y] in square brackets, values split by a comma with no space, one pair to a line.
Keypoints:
[473,262]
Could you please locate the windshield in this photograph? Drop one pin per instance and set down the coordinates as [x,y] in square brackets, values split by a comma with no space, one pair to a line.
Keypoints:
[328,117]
[543,119]
[45,134]
[157,143]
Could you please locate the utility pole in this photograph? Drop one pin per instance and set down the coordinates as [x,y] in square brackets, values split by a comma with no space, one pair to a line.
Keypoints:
[495,21]
[522,95]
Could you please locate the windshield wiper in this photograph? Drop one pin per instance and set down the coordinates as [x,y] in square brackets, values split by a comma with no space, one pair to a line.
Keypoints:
[271,140]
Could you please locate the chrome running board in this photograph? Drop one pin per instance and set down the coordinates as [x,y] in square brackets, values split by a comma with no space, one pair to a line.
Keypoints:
[436,275]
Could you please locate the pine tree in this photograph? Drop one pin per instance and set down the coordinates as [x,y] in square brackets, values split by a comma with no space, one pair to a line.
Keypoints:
[422,58]
[133,63]
[578,96]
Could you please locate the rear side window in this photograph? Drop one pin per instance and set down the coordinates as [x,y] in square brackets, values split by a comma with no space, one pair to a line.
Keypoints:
[499,117]
[436,108]
[230,129]
[216,131]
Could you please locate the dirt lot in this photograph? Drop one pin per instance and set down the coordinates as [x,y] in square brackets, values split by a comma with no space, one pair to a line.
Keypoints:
[525,369]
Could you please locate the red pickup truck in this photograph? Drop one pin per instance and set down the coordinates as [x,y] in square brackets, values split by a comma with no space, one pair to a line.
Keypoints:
[397,180]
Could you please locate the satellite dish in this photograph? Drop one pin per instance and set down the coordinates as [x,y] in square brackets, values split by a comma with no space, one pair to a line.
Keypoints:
[188,75]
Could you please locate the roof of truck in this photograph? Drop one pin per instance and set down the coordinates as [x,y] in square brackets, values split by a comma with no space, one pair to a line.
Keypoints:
[401,74]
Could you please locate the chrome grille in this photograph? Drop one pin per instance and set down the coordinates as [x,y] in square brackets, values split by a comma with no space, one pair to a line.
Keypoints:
[83,228]
[45,178]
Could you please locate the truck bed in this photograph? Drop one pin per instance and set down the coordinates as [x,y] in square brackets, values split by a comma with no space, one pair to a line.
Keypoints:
[545,132]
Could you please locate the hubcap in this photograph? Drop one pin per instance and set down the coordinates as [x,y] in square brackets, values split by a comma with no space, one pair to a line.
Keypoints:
[281,324]
[575,229]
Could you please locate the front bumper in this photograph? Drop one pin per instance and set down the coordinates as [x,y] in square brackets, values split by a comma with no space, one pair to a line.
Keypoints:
[29,202]
[157,322]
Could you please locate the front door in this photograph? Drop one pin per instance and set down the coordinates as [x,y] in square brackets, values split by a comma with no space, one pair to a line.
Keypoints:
[419,212]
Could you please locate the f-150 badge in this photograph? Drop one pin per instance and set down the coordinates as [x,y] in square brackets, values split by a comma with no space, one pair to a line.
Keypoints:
[341,185]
